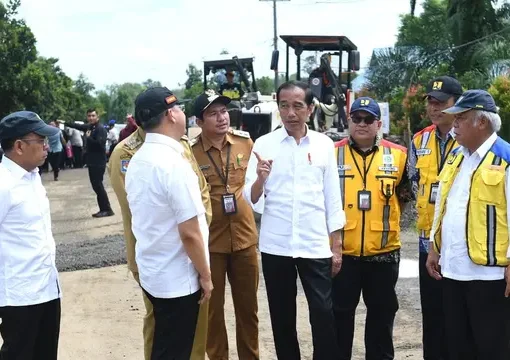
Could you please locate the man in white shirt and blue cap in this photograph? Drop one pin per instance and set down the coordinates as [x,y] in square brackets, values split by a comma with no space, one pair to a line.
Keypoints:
[470,252]
[29,285]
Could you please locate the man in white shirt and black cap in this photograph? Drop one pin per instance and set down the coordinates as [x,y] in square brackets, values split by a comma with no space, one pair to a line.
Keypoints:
[169,223]
[29,285]
[292,179]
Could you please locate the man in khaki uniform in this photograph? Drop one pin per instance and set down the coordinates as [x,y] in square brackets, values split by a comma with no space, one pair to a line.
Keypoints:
[223,158]
[117,167]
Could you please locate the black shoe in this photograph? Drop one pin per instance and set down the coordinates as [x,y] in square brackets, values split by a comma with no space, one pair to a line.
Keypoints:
[103,214]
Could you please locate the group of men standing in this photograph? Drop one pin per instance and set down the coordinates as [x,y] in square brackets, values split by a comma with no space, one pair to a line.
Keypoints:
[330,214]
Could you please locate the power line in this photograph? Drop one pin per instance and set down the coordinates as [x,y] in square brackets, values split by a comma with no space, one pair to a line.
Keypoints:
[441,52]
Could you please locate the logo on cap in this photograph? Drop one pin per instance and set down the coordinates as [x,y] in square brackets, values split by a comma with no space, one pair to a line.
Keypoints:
[170,99]
[438,85]
[365,102]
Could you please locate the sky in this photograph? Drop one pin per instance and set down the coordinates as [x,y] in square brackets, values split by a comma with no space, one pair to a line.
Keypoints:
[117,41]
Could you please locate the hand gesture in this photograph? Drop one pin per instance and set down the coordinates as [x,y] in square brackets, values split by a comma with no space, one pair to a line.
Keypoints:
[263,167]
[432,265]
[88,133]
[207,288]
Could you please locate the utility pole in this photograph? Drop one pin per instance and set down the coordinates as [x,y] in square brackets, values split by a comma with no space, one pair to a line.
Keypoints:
[275,38]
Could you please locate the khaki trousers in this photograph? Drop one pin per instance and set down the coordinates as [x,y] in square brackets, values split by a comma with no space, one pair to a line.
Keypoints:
[242,270]
[198,352]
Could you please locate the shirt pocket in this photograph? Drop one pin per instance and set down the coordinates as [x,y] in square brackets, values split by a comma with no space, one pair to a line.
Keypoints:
[488,187]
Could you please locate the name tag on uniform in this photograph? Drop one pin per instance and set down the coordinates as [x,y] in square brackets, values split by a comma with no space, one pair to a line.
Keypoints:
[364,200]
[433,193]
[388,168]
[229,204]
[421,152]
[124,166]
[204,167]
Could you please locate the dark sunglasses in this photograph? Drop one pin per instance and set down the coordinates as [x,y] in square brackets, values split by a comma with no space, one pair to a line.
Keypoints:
[369,120]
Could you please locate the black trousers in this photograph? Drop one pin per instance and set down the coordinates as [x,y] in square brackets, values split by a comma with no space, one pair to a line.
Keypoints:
[431,297]
[477,319]
[175,324]
[280,274]
[96,174]
[54,159]
[30,332]
[77,157]
[377,281]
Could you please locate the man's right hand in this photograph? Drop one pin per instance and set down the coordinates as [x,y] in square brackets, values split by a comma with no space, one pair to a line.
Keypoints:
[432,265]
[207,288]
[263,167]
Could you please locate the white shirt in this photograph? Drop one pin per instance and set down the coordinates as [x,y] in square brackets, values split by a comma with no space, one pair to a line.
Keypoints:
[301,204]
[28,274]
[455,261]
[162,192]
[111,138]
[75,137]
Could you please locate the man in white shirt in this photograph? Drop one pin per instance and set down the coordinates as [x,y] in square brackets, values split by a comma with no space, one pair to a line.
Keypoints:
[292,179]
[471,233]
[168,221]
[29,285]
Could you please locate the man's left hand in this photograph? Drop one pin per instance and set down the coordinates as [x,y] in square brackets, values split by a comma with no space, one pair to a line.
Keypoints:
[507,278]
[336,265]
[88,133]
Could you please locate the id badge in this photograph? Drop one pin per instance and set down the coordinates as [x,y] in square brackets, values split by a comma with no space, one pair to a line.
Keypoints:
[433,193]
[229,204]
[364,200]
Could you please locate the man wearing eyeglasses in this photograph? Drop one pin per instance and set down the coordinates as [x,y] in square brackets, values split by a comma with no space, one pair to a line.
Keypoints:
[374,187]
[29,285]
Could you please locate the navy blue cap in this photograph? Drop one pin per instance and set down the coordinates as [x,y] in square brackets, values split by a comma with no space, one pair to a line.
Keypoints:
[366,104]
[21,123]
[473,100]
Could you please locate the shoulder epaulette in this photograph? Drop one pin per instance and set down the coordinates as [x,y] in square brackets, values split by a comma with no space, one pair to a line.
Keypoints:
[133,142]
[244,134]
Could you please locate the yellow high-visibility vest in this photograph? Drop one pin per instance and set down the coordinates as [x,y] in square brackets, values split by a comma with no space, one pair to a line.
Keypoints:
[486,217]
[377,230]
[428,163]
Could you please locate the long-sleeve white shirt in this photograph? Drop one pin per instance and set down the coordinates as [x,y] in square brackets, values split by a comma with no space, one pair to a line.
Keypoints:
[455,261]
[28,274]
[301,203]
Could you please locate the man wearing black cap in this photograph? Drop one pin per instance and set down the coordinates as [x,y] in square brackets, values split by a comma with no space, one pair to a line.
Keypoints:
[117,168]
[429,150]
[96,136]
[223,158]
[231,89]
[29,285]
[470,252]
[169,223]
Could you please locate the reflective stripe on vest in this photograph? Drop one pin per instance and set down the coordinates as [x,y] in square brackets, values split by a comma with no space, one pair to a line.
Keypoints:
[386,209]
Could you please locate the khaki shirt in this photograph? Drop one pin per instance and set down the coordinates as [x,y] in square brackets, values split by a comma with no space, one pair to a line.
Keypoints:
[117,167]
[228,233]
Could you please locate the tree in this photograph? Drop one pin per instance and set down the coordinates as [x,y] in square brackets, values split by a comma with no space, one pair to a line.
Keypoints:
[149,83]
[500,91]
[17,50]
[194,76]
[265,84]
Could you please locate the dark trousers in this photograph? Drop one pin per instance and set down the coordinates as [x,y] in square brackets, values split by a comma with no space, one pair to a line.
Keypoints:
[431,296]
[96,174]
[176,321]
[77,157]
[280,274]
[30,332]
[377,281]
[477,319]
[54,159]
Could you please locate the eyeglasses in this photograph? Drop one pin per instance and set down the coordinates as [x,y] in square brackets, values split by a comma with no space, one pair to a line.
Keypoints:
[369,120]
[43,141]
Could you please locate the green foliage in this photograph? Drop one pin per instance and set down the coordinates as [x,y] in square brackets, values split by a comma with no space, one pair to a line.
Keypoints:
[265,84]
[500,91]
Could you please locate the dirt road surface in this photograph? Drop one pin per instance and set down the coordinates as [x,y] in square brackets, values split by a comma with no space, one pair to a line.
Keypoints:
[102,307]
